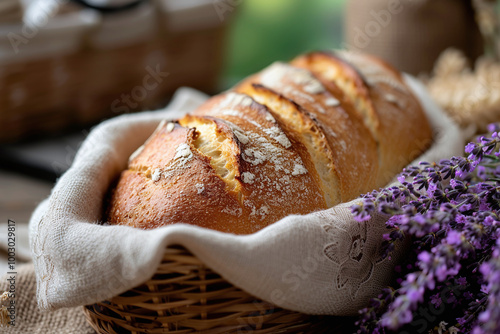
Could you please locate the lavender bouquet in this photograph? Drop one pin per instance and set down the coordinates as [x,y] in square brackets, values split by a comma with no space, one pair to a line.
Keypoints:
[449,211]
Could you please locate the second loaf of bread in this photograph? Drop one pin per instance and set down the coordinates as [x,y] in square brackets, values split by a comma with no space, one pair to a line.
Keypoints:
[292,139]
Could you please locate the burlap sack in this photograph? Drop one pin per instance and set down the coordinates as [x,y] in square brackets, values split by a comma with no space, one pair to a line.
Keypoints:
[29,319]
[411,34]
[321,263]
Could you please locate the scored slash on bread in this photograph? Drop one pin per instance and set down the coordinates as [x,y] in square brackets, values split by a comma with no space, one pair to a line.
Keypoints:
[350,152]
[399,111]
[308,133]
[389,110]
[214,139]
[167,160]
[243,171]
[292,139]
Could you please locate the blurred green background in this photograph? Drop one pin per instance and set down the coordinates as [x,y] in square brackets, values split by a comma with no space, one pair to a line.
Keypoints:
[263,31]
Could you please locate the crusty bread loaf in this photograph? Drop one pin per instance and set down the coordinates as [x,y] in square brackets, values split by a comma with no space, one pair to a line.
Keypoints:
[292,139]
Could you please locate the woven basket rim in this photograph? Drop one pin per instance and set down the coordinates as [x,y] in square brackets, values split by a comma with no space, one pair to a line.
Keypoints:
[185,296]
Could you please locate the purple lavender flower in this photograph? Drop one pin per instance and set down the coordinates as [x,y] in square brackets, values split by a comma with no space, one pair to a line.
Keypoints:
[469,147]
[454,238]
[436,300]
[450,210]
[425,257]
[494,127]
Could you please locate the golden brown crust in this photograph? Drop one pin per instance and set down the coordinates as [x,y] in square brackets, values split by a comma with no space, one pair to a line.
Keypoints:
[401,112]
[156,180]
[353,152]
[290,140]
[387,106]
[307,131]
[260,116]
[271,178]
[339,73]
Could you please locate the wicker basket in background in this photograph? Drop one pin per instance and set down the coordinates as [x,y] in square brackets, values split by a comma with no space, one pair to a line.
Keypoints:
[76,84]
[411,35]
[184,296]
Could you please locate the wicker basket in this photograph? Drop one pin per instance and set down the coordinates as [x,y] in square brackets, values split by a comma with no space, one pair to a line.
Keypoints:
[78,86]
[184,296]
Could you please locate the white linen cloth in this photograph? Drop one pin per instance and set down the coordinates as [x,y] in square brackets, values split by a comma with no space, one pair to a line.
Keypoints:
[320,263]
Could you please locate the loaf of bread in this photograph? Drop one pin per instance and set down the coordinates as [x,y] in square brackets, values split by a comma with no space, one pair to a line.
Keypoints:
[292,139]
